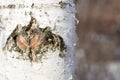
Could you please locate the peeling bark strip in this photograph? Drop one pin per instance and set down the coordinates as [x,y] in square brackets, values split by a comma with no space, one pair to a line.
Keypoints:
[24,34]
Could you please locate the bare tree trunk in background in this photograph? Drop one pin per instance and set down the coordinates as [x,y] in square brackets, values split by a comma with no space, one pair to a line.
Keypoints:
[57,14]
[82,6]
[98,47]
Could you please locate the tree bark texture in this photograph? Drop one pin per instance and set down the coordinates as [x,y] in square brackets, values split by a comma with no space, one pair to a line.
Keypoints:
[57,14]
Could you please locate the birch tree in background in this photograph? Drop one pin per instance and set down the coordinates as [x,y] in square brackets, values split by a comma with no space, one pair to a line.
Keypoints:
[60,17]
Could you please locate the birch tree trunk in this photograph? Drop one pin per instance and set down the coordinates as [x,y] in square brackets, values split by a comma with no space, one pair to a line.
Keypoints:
[60,16]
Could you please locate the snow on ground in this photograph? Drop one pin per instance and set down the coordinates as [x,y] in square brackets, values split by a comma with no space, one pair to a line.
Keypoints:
[47,13]
[114,69]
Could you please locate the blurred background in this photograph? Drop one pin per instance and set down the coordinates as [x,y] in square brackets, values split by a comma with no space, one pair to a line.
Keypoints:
[98,46]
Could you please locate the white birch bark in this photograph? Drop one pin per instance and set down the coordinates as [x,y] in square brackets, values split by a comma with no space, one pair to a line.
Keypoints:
[60,17]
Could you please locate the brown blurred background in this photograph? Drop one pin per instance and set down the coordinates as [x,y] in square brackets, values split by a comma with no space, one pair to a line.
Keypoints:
[98,47]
